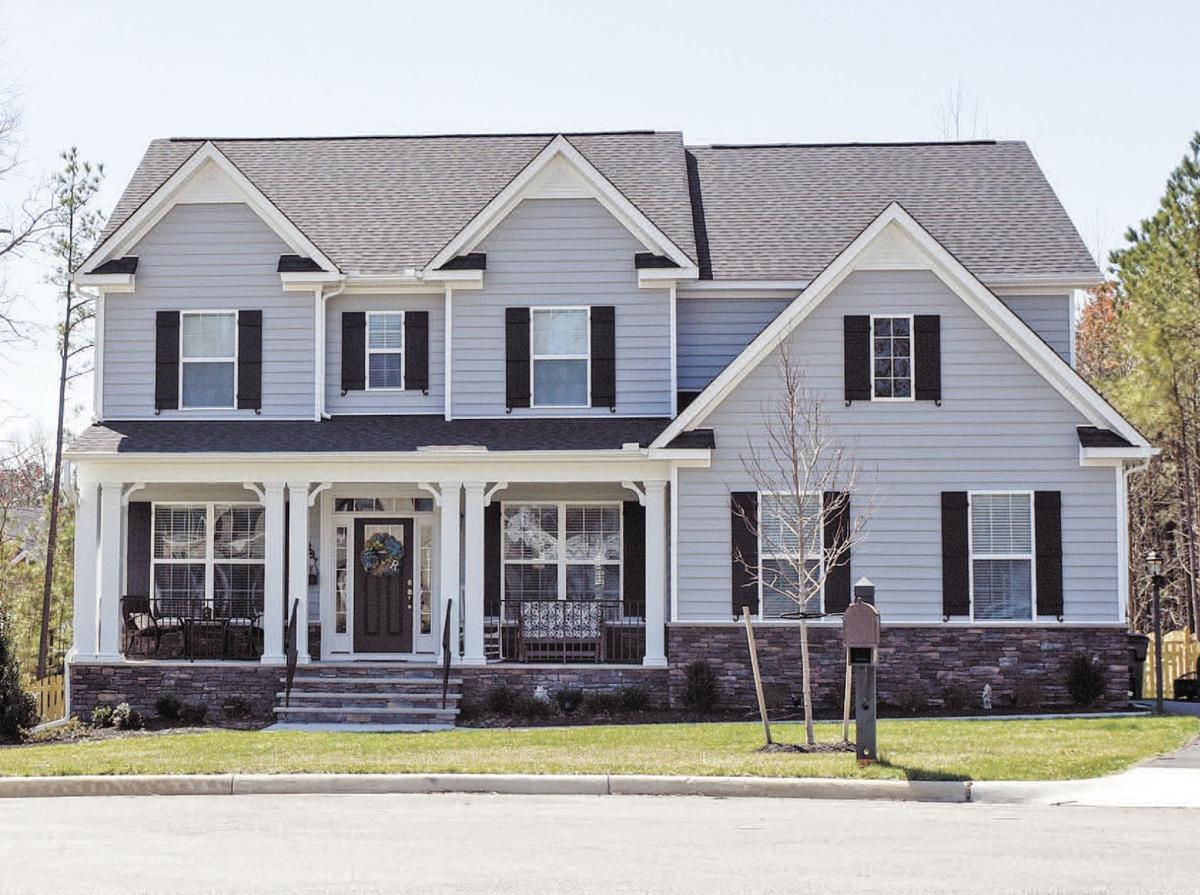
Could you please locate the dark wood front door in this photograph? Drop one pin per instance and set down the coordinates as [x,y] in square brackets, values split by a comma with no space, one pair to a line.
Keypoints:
[383,604]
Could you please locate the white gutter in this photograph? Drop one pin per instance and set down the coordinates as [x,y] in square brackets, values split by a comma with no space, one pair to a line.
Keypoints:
[321,298]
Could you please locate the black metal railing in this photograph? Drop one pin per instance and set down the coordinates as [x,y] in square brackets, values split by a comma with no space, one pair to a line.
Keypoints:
[569,631]
[191,628]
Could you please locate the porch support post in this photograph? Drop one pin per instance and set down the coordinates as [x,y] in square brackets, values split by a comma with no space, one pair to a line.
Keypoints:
[449,561]
[656,573]
[85,570]
[473,575]
[109,611]
[298,565]
[273,597]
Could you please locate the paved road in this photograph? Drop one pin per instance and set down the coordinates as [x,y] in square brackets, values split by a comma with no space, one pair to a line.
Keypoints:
[577,844]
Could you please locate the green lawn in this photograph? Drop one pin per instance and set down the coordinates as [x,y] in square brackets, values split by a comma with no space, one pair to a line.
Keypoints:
[976,750]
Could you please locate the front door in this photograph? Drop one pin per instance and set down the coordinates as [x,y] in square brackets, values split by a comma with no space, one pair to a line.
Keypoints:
[383,604]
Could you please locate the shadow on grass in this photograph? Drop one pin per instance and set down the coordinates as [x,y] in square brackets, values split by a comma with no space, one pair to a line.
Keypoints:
[924,773]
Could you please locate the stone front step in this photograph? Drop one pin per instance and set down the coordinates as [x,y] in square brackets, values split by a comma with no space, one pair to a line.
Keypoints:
[358,715]
[305,681]
[392,693]
[369,669]
[395,695]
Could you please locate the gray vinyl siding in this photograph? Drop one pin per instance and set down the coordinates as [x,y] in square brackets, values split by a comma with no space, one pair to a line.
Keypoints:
[711,330]
[219,256]
[385,401]
[561,252]
[1001,427]
[1047,315]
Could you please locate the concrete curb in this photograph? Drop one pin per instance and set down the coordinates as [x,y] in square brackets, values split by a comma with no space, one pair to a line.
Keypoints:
[507,784]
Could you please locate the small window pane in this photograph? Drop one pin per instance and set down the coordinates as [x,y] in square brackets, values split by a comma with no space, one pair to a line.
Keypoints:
[208,335]
[560,383]
[784,520]
[237,590]
[1001,523]
[524,581]
[781,587]
[340,582]
[385,371]
[593,533]
[426,580]
[531,532]
[385,330]
[892,349]
[178,588]
[239,532]
[208,384]
[560,332]
[179,532]
[1003,588]
[594,582]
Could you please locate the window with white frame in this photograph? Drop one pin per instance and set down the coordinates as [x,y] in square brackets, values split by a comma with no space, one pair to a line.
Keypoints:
[1001,555]
[789,528]
[208,359]
[385,349]
[562,551]
[891,358]
[208,557]
[560,357]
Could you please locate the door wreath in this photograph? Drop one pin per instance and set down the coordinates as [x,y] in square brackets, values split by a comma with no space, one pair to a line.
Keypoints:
[382,555]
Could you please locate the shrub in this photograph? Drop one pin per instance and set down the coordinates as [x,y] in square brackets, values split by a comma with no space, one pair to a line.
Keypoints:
[1029,694]
[1085,680]
[957,698]
[603,703]
[634,698]
[237,707]
[569,699]
[102,716]
[168,706]
[532,708]
[126,717]
[500,700]
[193,713]
[18,710]
[911,699]
[700,691]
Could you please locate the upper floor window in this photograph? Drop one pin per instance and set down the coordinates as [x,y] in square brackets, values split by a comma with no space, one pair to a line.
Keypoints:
[560,357]
[385,349]
[891,358]
[208,359]
[1001,555]
[786,528]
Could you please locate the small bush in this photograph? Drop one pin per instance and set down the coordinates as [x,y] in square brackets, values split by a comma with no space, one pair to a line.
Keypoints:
[569,700]
[532,708]
[126,717]
[1029,694]
[501,700]
[911,699]
[1085,680]
[102,716]
[193,713]
[603,703]
[18,709]
[168,706]
[958,698]
[237,708]
[700,691]
[634,698]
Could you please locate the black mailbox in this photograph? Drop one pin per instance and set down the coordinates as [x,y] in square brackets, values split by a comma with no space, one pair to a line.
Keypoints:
[861,655]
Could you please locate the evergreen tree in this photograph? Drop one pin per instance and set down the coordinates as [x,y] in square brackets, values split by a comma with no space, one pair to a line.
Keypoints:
[18,710]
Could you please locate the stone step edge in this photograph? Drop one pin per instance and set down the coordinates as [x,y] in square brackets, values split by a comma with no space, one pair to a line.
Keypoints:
[364,679]
[341,694]
[365,710]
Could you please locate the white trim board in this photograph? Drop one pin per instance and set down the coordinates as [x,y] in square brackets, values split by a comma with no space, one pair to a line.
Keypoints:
[935,258]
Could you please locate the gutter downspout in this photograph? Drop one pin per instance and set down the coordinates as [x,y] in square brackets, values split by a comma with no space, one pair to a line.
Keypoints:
[321,297]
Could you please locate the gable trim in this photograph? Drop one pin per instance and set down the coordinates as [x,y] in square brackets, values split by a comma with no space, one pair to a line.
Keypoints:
[162,200]
[959,280]
[599,186]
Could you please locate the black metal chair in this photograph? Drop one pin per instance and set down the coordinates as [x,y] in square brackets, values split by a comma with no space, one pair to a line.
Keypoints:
[1187,686]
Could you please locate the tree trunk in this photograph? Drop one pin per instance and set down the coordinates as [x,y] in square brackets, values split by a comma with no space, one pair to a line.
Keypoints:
[806,683]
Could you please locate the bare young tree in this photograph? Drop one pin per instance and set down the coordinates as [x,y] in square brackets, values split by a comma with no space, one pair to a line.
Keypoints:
[813,505]
[958,117]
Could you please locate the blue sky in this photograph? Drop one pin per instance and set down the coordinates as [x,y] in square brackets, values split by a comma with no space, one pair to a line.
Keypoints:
[1105,93]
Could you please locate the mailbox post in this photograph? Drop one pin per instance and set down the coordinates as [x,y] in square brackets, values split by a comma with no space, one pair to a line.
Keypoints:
[860,630]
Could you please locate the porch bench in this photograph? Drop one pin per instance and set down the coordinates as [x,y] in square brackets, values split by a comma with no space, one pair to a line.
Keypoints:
[558,629]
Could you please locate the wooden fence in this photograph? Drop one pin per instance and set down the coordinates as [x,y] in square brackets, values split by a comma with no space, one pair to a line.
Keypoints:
[51,695]
[1181,650]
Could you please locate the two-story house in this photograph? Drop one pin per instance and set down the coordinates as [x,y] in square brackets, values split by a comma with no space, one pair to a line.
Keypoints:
[490,397]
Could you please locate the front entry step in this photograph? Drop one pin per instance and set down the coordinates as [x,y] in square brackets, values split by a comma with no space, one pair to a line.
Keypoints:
[357,697]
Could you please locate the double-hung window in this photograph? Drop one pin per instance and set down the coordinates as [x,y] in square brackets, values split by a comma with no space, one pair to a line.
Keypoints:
[891,358]
[1002,548]
[789,532]
[560,357]
[385,349]
[562,551]
[208,359]
[208,558]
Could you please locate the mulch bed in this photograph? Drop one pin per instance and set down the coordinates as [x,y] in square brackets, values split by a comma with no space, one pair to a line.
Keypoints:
[75,731]
[792,748]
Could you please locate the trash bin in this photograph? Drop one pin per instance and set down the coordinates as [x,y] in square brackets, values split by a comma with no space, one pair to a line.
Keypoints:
[1139,648]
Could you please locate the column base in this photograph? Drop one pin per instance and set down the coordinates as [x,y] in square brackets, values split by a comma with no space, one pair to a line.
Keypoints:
[273,660]
[471,660]
[654,662]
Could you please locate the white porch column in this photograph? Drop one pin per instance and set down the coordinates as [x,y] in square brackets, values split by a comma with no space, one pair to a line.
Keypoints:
[656,573]
[85,570]
[273,596]
[473,551]
[109,609]
[449,562]
[298,565]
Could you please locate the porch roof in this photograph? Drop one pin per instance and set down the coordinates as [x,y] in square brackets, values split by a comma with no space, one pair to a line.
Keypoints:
[360,434]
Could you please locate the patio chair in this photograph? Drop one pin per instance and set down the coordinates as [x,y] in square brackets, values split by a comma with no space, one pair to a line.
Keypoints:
[1188,686]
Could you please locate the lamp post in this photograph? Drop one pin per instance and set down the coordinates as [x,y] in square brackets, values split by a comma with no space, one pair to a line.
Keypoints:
[1154,565]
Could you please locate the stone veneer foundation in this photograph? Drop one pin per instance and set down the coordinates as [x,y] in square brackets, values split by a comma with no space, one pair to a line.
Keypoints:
[211,684]
[934,664]
[589,678]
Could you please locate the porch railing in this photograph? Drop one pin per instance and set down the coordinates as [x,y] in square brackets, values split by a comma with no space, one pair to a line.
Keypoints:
[569,631]
[191,628]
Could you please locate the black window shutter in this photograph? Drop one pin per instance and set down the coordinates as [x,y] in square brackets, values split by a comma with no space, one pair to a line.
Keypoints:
[516,357]
[354,351]
[249,396]
[856,340]
[743,524]
[604,356]
[492,569]
[137,550]
[166,360]
[837,531]
[633,576]
[416,350]
[927,351]
[1047,527]
[956,555]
